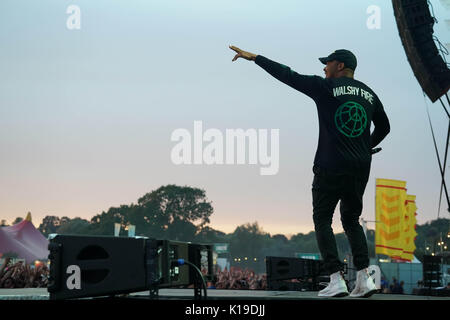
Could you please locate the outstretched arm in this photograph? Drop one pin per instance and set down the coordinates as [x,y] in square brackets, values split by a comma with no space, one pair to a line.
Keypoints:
[309,85]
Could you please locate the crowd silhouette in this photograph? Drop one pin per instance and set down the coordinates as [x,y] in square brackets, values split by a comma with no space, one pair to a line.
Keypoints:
[239,279]
[20,275]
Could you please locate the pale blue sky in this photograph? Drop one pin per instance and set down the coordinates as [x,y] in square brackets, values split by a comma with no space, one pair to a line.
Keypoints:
[86,115]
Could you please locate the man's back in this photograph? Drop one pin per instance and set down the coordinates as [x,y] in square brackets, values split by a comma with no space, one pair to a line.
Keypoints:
[346,107]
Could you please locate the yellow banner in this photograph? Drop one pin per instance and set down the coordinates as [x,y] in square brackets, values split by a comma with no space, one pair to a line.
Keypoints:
[390,211]
[409,231]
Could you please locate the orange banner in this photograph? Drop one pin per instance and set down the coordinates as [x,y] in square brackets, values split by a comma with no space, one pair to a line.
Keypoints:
[409,231]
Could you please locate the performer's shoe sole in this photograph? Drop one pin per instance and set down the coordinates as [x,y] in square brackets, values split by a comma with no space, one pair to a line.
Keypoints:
[340,295]
[370,293]
[337,295]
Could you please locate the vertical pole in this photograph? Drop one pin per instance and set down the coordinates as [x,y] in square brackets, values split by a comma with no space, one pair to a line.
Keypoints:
[442,264]
[398,272]
[411,265]
[375,243]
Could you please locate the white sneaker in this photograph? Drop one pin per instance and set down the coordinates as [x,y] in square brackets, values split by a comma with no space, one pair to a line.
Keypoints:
[336,288]
[365,286]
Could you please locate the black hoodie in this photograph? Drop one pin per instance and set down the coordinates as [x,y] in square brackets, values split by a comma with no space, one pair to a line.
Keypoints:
[346,107]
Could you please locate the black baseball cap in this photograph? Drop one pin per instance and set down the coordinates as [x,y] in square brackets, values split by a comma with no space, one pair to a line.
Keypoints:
[342,55]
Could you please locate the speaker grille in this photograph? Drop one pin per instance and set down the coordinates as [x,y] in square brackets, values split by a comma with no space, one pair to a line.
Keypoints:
[415,27]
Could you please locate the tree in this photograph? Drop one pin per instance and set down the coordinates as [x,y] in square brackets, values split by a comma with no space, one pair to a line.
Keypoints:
[249,240]
[281,238]
[17,220]
[145,219]
[74,226]
[305,243]
[181,230]
[103,224]
[279,246]
[64,220]
[49,225]
[342,245]
[428,235]
[170,212]
[173,210]
[207,234]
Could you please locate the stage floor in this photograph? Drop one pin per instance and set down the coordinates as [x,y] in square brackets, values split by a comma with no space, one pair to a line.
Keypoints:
[214,294]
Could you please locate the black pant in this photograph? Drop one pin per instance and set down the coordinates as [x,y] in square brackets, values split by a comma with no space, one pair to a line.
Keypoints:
[327,190]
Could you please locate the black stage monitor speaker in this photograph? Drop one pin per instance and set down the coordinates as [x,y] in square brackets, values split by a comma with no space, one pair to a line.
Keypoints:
[202,256]
[432,271]
[88,266]
[171,275]
[280,285]
[415,27]
[308,272]
[283,268]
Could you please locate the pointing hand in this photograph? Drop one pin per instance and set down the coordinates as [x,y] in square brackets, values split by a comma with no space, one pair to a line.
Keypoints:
[242,54]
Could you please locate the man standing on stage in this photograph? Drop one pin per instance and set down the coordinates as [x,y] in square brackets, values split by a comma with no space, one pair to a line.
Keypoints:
[346,107]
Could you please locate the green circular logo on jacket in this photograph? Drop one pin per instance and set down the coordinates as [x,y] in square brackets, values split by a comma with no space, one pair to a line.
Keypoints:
[351,119]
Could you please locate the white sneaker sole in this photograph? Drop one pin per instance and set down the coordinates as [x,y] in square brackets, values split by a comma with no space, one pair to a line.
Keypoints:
[336,295]
[365,295]
[370,293]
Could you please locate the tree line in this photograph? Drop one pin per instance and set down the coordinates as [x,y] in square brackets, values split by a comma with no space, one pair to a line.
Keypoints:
[182,213]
